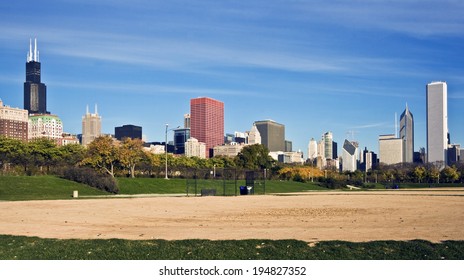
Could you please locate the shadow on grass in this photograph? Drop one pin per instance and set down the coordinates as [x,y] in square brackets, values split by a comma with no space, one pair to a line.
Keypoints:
[33,248]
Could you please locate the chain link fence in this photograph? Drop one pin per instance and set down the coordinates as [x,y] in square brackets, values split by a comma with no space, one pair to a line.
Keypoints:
[224,182]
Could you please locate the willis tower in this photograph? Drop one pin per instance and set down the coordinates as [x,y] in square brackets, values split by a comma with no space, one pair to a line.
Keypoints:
[35,92]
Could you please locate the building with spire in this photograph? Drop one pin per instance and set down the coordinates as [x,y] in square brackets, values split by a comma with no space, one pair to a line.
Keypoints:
[35,92]
[91,126]
[407,135]
[253,136]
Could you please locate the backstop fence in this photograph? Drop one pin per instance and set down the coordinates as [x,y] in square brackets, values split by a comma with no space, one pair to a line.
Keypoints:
[225,182]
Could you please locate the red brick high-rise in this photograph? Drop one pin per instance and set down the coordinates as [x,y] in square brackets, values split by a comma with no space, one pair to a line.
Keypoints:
[207,121]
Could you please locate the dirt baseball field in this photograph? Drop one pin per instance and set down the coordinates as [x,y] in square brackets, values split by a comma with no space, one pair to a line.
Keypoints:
[353,216]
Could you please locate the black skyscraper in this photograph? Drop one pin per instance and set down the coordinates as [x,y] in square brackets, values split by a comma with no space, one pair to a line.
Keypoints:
[128,131]
[35,92]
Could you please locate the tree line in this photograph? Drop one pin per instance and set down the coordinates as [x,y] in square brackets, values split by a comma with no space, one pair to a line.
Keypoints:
[115,158]
[127,158]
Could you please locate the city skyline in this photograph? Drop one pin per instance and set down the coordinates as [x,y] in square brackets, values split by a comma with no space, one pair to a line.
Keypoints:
[311,67]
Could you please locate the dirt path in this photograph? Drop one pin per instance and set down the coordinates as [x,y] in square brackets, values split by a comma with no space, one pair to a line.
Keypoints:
[353,216]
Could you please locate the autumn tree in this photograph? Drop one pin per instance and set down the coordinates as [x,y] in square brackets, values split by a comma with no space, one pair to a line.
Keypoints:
[419,173]
[449,174]
[130,153]
[102,154]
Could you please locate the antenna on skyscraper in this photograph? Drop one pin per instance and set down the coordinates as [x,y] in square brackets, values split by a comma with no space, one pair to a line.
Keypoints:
[29,54]
[87,109]
[35,49]
[96,109]
[350,135]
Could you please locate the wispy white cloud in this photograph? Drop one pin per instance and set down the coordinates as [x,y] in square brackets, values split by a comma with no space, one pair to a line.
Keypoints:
[152,89]
[417,18]
[169,53]
[370,125]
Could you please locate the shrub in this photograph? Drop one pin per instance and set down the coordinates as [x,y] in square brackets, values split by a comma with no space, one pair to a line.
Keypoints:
[332,183]
[92,178]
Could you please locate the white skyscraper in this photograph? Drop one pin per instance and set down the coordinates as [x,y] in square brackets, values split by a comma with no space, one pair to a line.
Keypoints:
[349,156]
[312,149]
[437,122]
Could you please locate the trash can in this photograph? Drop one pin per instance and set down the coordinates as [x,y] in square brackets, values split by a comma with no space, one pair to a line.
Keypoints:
[250,190]
[243,190]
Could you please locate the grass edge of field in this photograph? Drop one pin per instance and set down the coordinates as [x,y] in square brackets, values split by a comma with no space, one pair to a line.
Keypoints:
[35,248]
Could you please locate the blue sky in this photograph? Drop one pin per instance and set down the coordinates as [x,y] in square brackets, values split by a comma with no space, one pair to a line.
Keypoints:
[314,66]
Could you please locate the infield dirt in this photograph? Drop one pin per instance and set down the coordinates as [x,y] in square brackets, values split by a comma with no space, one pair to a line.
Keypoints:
[434,215]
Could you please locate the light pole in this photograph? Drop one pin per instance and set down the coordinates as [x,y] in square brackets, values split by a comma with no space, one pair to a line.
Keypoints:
[166,151]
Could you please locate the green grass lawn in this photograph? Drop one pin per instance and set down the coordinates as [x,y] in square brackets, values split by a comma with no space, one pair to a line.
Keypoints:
[33,248]
[381,186]
[41,187]
[150,186]
[51,187]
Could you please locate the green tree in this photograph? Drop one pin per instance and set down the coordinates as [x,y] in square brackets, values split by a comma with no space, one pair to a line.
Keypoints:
[43,152]
[71,154]
[102,154]
[11,152]
[223,161]
[254,157]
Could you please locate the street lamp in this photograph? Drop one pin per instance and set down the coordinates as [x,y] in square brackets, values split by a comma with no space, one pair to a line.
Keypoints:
[166,150]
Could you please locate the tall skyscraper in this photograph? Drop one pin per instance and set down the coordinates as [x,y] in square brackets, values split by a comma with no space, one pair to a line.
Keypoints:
[407,135]
[186,120]
[35,92]
[91,126]
[272,135]
[207,122]
[312,149]
[349,156]
[181,135]
[328,145]
[437,122]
